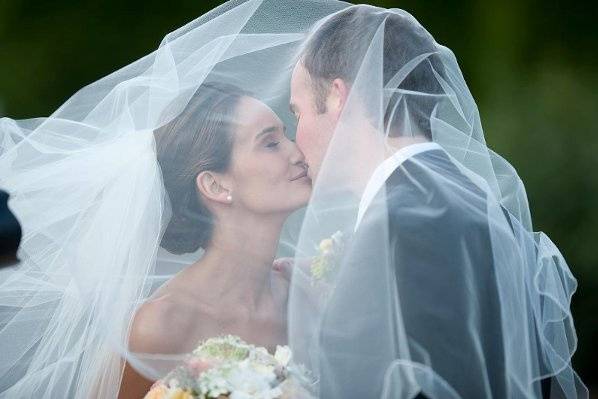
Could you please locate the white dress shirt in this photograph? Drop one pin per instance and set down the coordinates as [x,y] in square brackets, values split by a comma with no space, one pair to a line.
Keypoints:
[385,169]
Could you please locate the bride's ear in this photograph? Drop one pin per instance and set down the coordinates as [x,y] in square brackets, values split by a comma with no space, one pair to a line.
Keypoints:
[214,187]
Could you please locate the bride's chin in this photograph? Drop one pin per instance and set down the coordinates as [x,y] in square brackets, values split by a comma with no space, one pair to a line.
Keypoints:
[307,194]
[301,201]
[303,204]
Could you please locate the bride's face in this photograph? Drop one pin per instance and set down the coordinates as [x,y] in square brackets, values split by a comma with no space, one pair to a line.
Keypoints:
[267,169]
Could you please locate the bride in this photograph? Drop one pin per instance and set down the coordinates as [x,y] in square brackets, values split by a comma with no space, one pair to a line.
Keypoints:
[152,204]
[233,177]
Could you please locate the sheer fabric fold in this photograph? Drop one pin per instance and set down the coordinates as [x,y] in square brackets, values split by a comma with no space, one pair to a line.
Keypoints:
[87,188]
[443,288]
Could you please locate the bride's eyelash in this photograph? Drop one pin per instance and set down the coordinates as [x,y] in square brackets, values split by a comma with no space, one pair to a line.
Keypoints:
[273,144]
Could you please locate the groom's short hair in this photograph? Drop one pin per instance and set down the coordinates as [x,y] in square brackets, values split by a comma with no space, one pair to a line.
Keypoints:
[337,47]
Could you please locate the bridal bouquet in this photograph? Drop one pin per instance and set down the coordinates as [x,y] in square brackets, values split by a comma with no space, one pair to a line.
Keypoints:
[228,367]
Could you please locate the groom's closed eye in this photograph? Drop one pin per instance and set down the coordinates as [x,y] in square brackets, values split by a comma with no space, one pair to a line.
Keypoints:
[293,109]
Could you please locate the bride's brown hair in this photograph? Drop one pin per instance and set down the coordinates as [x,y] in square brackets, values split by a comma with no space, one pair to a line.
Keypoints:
[199,139]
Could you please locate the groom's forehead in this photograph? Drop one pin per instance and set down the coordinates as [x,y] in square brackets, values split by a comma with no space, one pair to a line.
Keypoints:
[300,82]
[300,74]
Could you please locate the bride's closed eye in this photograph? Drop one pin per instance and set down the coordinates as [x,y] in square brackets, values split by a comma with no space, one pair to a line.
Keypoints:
[270,137]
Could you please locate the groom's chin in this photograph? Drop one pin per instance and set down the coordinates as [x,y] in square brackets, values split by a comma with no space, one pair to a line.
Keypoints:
[311,175]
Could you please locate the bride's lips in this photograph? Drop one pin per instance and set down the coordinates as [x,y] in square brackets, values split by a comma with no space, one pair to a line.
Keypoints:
[300,175]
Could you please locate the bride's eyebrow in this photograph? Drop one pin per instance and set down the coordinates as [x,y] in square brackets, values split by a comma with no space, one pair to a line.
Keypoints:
[268,130]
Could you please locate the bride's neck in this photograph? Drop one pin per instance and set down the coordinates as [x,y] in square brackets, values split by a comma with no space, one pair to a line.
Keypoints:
[239,258]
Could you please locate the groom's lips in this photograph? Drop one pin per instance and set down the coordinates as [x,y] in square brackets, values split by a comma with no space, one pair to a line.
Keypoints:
[300,175]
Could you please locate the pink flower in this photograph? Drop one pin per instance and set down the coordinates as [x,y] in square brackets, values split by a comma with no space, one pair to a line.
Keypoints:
[197,366]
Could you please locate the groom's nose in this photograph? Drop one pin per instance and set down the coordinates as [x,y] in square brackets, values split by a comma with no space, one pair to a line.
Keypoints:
[297,157]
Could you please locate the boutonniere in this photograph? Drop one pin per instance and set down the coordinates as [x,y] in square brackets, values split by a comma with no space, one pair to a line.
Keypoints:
[326,263]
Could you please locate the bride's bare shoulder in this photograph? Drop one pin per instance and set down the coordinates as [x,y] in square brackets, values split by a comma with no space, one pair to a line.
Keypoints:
[158,325]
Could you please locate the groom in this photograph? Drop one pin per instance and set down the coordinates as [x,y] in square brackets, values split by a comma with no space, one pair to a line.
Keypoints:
[435,283]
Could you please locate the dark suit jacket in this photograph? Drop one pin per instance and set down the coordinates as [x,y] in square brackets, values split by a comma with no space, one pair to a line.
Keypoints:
[413,249]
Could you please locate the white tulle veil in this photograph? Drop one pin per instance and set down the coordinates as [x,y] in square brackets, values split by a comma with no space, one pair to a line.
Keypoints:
[434,283]
[88,191]
[86,185]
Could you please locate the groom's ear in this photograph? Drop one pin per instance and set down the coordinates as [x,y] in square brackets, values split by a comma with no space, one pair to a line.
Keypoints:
[213,186]
[337,97]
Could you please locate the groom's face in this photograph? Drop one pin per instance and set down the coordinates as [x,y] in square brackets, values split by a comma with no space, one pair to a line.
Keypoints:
[314,129]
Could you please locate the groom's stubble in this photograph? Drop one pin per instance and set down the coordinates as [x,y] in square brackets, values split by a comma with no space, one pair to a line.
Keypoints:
[314,128]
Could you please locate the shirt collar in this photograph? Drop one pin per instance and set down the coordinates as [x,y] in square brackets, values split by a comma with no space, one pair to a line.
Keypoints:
[385,169]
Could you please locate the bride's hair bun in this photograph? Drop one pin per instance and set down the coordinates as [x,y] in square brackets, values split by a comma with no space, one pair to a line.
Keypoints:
[199,139]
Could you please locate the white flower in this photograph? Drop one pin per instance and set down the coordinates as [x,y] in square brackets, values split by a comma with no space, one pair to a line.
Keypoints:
[261,355]
[213,382]
[326,245]
[251,379]
[173,383]
[283,355]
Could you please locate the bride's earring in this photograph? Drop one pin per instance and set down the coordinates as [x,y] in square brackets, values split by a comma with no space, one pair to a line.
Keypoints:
[229,198]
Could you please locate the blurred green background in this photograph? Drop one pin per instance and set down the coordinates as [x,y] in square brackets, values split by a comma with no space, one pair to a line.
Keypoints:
[531,65]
